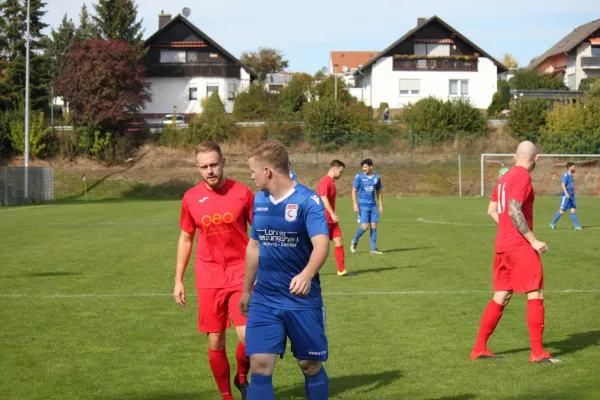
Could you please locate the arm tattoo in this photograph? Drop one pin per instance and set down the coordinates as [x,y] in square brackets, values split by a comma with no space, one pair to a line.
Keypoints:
[516,214]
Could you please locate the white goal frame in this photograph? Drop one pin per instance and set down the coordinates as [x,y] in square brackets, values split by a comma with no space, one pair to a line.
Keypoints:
[489,155]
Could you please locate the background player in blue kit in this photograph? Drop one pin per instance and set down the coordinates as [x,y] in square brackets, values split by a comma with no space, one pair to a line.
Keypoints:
[567,198]
[293,176]
[367,186]
[289,244]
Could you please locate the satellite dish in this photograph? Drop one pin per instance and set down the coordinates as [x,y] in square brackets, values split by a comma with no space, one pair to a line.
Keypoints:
[345,68]
[186,12]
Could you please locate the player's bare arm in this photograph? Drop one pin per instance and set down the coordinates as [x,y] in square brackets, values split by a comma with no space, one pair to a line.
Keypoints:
[515,211]
[354,201]
[329,209]
[380,200]
[493,211]
[184,251]
[250,275]
[301,283]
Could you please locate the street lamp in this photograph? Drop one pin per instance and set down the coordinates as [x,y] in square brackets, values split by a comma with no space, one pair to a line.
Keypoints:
[335,80]
[26,191]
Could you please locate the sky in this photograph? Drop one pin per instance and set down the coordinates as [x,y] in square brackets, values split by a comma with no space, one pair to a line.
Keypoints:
[307,31]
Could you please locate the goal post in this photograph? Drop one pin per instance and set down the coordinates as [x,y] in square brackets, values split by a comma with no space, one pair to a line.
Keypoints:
[549,169]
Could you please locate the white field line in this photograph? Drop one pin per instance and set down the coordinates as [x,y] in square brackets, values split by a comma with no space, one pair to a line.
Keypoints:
[390,293]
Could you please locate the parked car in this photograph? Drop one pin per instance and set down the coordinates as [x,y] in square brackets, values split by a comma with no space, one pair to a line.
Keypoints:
[168,119]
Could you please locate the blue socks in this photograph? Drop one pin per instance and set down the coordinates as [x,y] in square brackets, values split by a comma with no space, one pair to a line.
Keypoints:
[574,219]
[359,233]
[316,386]
[261,388]
[373,238]
[556,217]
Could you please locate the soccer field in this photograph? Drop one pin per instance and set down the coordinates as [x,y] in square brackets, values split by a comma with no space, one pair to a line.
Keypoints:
[86,310]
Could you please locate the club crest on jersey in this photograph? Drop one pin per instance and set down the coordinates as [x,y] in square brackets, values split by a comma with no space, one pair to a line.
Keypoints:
[291,212]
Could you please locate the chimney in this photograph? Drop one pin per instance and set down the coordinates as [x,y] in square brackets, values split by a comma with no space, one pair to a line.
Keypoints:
[163,19]
[421,21]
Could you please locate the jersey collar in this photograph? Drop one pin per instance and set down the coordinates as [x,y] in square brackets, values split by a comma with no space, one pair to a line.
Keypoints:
[287,195]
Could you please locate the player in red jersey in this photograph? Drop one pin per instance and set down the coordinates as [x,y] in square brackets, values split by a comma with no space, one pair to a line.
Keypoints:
[327,190]
[517,264]
[220,210]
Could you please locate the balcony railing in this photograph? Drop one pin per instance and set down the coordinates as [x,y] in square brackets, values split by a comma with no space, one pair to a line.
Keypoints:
[590,62]
[435,64]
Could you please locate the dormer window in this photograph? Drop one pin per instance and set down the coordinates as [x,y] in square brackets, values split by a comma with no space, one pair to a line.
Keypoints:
[431,49]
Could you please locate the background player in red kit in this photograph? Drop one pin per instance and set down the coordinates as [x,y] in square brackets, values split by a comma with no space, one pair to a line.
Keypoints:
[327,190]
[220,210]
[517,264]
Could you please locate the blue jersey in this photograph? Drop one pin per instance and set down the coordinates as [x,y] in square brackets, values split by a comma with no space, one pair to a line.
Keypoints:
[293,176]
[284,229]
[366,187]
[567,179]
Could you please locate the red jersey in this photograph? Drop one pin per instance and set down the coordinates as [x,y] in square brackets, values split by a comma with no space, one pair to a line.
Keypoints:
[221,218]
[327,188]
[513,185]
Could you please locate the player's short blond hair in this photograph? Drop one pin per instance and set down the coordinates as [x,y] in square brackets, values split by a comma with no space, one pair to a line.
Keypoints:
[207,147]
[272,153]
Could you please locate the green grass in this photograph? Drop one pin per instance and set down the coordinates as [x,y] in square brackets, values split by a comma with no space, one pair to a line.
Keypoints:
[56,342]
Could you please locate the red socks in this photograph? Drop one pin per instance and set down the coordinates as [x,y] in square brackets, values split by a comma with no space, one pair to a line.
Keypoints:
[535,323]
[490,318]
[243,363]
[339,258]
[220,369]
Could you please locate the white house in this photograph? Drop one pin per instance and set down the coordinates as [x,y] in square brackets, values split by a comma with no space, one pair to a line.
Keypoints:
[184,66]
[574,57]
[433,59]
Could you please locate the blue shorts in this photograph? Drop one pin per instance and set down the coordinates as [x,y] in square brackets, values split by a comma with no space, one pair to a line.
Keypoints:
[368,215]
[267,330]
[566,204]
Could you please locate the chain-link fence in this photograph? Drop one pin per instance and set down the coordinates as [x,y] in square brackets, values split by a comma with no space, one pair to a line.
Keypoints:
[12,185]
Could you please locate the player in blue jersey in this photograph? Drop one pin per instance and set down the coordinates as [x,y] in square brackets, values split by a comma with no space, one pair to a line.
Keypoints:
[567,198]
[367,187]
[292,173]
[289,244]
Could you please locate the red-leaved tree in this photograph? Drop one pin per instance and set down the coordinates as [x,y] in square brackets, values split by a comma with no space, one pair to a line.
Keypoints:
[103,81]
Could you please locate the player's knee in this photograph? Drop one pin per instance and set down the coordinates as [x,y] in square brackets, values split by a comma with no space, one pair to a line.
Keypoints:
[373,226]
[573,211]
[536,295]
[261,365]
[310,367]
[502,298]
[338,242]
[241,333]
[364,227]
[216,341]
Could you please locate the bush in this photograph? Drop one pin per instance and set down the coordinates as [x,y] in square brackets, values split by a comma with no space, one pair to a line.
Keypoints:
[528,79]
[40,135]
[6,119]
[496,106]
[256,104]
[438,121]
[586,84]
[527,119]
[327,123]
[573,128]
[214,124]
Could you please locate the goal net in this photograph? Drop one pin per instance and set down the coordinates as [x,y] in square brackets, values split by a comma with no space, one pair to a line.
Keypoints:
[548,172]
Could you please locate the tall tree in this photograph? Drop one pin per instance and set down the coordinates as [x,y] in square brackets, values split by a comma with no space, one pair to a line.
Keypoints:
[103,81]
[13,54]
[61,41]
[509,61]
[265,61]
[85,30]
[117,20]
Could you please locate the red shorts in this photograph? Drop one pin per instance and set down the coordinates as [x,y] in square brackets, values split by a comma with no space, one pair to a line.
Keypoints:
[217,306]
[519,271]
[334,230]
